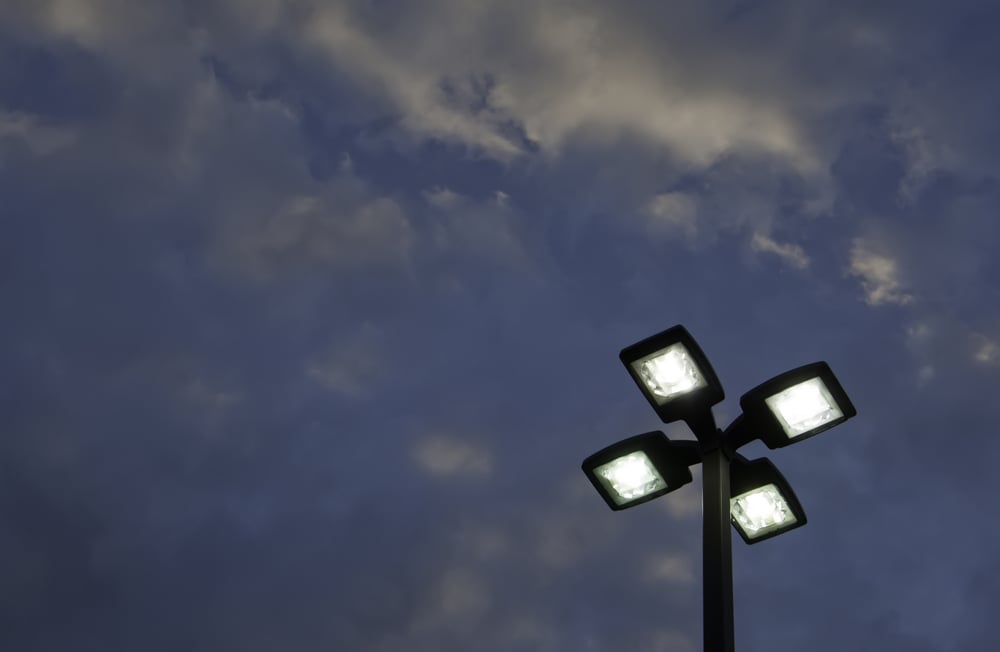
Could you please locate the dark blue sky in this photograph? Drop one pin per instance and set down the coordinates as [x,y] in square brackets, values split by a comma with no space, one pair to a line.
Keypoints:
[309,312]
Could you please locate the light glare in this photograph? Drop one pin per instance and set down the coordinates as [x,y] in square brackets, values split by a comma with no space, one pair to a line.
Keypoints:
[669,373]
[804,407]
[761,510]
[630,477]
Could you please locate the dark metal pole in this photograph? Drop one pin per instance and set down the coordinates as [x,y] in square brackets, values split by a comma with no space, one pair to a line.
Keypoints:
[717,553]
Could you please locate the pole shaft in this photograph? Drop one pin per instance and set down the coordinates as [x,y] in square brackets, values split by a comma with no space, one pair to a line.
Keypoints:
[717,555]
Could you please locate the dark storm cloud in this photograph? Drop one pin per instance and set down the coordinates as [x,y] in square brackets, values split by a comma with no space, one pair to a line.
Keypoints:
[311,311]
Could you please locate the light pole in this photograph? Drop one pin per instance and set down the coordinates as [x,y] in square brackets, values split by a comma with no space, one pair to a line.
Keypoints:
[680,384]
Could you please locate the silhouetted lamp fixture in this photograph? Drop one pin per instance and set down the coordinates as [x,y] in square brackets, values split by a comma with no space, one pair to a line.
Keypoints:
[640,468]
[674,375]
[762,505]
[676,378]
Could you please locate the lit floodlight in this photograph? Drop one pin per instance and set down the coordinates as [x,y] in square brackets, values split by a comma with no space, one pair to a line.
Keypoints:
[673,374]
[794,406]
[669,373]
[640,468]
[763,504]
[761,510]
[804,407]
[630,477]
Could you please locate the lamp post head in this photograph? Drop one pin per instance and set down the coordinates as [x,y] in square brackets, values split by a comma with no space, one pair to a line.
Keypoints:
[640,468]
[762,503]
[674,375]
[795,405]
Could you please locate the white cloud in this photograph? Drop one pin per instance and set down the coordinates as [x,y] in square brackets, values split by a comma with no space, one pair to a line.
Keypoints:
[352,365]
[413,89]
[458,600]
[462,594]
[484,230]
[443,198]
[879,274]
[531,633]
[40,139]
[562,72]
[448,455]
[483,542]
[673,213]
[345,227]
[919,334]
[668,641]
[671,568]
[791,253]
[133,32]
[987,350]
[686,502]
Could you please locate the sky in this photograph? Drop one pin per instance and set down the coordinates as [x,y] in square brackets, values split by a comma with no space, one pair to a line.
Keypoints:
[310,311]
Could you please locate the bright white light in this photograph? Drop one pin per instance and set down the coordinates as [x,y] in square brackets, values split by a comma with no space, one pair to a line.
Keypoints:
[669,373]
[804,407]
[630,477]
[761,510]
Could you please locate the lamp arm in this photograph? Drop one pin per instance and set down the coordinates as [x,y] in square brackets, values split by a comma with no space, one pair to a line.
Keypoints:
[738,433]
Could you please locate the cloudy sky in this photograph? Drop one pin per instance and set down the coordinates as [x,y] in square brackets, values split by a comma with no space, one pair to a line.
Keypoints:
[310,310]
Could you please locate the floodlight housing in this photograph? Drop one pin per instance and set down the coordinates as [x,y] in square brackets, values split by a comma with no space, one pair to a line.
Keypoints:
[796,405]
[640,468]
[762,504]
[674,375]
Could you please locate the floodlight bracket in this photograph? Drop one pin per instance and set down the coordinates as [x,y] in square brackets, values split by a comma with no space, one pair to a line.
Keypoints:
[737,434]
[689,407]
[688,451]
[702,424]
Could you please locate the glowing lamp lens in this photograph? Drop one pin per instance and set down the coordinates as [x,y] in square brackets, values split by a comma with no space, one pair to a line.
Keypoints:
[760,511]
[630,477]
[804,407]
[669,373]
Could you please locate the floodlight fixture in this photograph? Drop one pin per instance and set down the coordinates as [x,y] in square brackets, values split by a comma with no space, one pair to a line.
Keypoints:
[674,375]
[640,468]
[751,496]
[793,406]
[762,503]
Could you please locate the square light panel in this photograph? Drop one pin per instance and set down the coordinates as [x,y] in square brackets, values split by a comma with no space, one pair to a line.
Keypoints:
[630,477]
[804,407]
[640,468]
[674,375]
[792,406]
[669,373]
[761,511]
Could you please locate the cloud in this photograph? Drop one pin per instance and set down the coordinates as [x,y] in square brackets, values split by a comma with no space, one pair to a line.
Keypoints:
[450,456]
[344,227]
[473,230]
[352,365]
[668,641]
[443,198]
[426,108]
[879,275]
[671,568]
[686,502]
[673,213]
[791,253]
[483,542]
[39,138]
[571,73]
[460,598]
[987,350]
